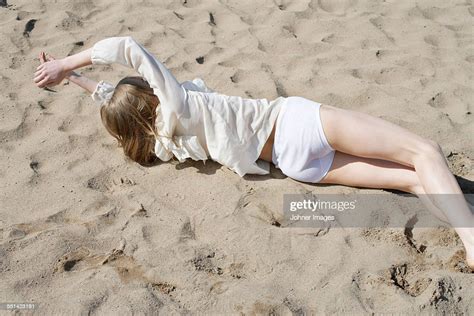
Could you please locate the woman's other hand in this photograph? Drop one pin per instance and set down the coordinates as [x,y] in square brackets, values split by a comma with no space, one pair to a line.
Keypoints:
[51,71]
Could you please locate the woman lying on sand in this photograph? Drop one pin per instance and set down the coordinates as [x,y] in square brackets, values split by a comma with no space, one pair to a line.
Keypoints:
[154,116]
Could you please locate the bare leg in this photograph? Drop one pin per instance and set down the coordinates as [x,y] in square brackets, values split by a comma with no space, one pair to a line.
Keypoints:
[376,173]
[366,136]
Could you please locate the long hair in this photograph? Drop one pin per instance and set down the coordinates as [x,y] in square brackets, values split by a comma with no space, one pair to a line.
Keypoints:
[130,116]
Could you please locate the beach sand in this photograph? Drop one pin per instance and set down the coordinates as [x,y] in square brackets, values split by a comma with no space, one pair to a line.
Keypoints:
[84,231]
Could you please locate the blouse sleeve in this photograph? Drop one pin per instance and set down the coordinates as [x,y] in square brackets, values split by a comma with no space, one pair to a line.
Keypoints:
[103,92]
[127,52]
[197,84]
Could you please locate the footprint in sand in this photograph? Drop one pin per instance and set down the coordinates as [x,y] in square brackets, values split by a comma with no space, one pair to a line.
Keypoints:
[292,5]
[444,297]
[204,260]
[253,204]
[99,182]
[378,23]
[432,40]
[397,282]
[102,222]
[72,21]
[338,7]
[441,242]
[16,233]
[406,277]
[432,13]
[129,270]
[382,76]
[103,182]
[22,230]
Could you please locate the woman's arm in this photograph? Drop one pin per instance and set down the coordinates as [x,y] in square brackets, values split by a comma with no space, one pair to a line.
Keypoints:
[86,83]
[78,60]
[52,72]
[125,51]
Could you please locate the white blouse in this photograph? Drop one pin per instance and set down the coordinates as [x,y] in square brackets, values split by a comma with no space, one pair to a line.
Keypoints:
[194,121]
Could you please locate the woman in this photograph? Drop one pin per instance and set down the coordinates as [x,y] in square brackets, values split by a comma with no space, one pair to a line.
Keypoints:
[153,115]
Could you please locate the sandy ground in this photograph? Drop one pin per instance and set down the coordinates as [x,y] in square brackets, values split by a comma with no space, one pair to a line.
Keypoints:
[83,231]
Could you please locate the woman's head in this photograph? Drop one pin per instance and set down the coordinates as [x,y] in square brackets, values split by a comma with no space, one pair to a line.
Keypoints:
[130,115]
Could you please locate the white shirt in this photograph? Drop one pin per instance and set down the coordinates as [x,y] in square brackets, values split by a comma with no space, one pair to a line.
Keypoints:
[192,120]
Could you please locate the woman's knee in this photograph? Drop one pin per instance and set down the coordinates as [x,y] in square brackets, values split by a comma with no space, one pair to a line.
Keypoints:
[429,150]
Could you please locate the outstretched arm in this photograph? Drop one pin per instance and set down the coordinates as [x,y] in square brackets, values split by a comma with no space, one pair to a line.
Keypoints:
[127,52]
[99,90]
[86,83]
[51,72]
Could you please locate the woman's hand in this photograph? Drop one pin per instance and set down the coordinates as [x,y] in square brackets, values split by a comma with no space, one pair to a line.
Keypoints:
[87,84]
[51,71]
[47,57]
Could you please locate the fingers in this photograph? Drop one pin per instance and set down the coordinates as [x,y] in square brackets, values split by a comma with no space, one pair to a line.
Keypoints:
[42,57]
[40,78]
[43,82]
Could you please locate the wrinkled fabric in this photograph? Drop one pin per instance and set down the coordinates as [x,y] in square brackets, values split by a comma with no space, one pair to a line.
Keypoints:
[103,92]
[194,121]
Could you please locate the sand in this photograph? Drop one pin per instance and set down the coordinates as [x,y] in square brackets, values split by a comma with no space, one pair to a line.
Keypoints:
[83,231]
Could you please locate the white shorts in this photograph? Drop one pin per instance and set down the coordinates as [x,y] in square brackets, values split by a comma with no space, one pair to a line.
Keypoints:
[300,148]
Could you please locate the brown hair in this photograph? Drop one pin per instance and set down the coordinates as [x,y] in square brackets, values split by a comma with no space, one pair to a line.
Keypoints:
[130,116]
